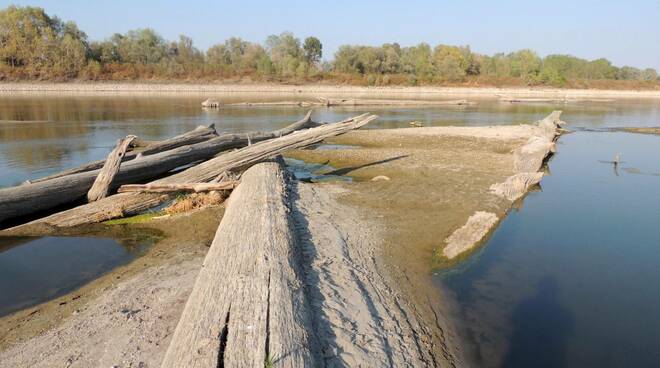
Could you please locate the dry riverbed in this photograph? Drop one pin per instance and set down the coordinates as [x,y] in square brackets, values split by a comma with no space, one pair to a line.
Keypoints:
[369,247]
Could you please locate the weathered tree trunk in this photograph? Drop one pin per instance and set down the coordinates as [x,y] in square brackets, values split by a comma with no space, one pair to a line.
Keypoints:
[248,303]
[133,203]
[199,134]
[330,102]
[31,198]
[169,188]
[101,185]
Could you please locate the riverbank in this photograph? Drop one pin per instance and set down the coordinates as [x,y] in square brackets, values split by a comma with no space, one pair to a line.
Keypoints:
[218,90]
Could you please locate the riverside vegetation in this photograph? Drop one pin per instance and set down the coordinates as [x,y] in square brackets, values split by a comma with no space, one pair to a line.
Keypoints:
[38,46]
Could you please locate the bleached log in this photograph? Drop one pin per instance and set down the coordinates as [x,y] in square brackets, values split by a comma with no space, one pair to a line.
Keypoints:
[329,102]
[530,157]
[168,188]
[197,135]
[112,164]
[132,203]
[516,186]
[248,303]
[31,198]
[467,236]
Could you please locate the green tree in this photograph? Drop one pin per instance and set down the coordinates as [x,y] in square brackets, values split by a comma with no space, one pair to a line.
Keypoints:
[417,61]
[140,46]
[285,52]
[313,50]
[30,38]
[525,64]
[449,62]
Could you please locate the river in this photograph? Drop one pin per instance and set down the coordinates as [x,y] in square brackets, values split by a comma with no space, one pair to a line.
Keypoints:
[570,278]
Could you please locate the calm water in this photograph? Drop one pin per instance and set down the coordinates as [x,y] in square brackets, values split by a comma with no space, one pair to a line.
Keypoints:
[33,270]
[40,136]
[571,279]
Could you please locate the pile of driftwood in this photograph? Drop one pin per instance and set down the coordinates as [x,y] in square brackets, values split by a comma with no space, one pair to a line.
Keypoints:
[139,175]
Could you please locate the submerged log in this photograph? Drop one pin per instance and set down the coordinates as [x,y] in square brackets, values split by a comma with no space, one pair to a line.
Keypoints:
[101,185]
[467,236]
[199,134]
[248,304]
[210,102]
[133,203]
[31,198]
[330,102]
[517,185]
[169,188]
[530,157]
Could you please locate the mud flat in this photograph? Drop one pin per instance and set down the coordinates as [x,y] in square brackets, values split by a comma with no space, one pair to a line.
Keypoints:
[341,91]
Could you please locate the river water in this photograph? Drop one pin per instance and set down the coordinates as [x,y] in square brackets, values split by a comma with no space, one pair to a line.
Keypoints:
[570,278]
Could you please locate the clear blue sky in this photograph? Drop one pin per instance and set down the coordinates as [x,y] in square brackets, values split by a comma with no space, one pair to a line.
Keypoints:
[626,32]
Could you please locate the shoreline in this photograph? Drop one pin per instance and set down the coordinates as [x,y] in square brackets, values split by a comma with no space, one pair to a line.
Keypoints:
[420,92]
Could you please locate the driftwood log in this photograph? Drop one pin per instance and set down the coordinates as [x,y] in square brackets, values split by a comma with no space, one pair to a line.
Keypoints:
[527,163]
[199,134]
[169,188]
[330,102]
[27,199]
[101,185]
[248,304]
[133,203]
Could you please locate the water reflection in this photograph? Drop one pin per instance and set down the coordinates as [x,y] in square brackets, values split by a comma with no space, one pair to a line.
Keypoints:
[541,331]
[570,280]
[42,135]
[37,269]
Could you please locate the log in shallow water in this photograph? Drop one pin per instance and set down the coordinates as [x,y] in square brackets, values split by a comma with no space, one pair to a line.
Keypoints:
[31,198]
[197,135]
[133,203]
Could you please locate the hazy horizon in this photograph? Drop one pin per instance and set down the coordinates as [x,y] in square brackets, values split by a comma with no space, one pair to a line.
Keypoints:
[585,29]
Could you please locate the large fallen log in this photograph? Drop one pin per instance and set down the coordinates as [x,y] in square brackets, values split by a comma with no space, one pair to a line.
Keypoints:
[248,305]
[197,135]
[332,102]
[170,188]
[125,204]
[104,179]
[32,198]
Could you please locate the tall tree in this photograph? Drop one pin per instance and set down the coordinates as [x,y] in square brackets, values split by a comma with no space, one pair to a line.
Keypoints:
[313,50]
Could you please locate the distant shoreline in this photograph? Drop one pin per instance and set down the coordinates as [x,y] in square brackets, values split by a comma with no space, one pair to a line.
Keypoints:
[423,92]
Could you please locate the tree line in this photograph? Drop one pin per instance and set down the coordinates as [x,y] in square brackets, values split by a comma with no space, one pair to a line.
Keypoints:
[35,45]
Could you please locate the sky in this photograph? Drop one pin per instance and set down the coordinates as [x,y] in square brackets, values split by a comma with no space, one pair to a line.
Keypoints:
[625,32]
